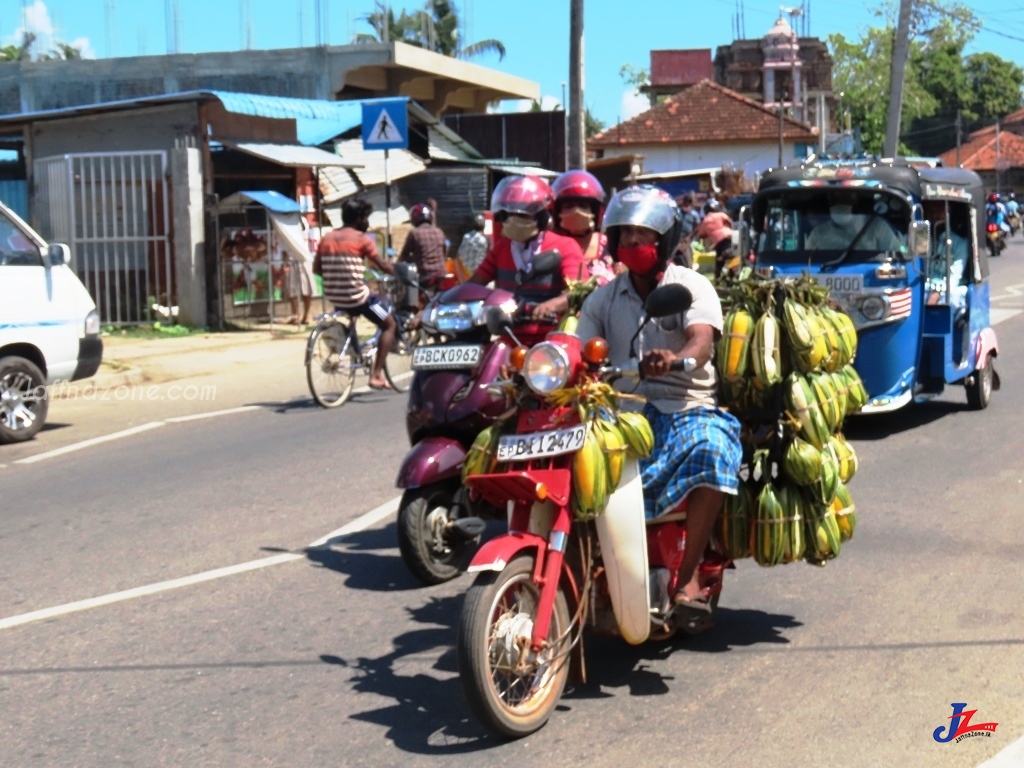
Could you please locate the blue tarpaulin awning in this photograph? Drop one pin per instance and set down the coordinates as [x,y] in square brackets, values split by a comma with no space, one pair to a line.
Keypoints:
[272,201]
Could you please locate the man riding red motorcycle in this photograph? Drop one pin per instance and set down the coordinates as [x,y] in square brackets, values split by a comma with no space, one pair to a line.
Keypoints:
[522,208]
[697,450]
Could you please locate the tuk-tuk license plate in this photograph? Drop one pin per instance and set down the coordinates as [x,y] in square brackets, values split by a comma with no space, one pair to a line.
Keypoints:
[447,356]
[841,283]
[537,445]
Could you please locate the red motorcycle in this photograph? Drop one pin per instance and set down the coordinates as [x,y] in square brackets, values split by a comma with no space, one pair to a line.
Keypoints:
[552,576]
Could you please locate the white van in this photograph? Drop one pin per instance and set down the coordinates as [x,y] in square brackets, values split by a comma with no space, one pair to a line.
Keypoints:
[49,327]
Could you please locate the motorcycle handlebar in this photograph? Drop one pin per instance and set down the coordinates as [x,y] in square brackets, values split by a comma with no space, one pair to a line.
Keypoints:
[631,370]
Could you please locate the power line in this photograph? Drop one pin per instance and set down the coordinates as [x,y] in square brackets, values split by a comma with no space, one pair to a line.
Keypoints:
[1003,34]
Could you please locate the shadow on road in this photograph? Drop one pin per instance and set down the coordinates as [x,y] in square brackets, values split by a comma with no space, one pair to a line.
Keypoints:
[429,715]
[302,404]
[369,559]
[881,426]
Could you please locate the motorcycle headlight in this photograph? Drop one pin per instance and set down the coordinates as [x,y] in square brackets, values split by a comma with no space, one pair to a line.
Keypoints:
[452,318]
[546,368]
[873,307]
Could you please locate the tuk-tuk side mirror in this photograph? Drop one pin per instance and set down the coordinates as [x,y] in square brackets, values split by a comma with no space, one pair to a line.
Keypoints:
[920,238]
[58,254]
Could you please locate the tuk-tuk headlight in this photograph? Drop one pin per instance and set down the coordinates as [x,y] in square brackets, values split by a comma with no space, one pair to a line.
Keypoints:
[873,308]
[546,368]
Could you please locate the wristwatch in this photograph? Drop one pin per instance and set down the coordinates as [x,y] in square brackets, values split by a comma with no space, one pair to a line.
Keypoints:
[689,364]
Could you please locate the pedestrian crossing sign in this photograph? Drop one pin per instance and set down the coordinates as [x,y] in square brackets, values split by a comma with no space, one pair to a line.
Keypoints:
[386,124]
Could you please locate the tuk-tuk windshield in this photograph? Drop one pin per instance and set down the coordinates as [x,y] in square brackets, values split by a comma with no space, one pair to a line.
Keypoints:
[819,226]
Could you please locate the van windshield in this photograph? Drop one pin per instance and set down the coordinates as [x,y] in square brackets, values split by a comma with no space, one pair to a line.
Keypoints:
[16,250]
[819,226]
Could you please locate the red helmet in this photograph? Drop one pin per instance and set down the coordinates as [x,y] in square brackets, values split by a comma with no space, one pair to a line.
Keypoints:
[528,195]
[580,185]
[993,198]
[421,213]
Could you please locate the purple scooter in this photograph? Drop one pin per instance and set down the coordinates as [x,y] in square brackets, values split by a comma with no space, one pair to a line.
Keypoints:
[450,403]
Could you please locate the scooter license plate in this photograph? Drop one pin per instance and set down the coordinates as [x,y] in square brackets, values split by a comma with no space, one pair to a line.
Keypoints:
[841,283]
[538,445]
[446,356]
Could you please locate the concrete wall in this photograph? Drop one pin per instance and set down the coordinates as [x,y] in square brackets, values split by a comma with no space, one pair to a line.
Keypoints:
[751,157]
[150,129]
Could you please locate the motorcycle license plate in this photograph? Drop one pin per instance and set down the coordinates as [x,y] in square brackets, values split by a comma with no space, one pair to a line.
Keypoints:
[538,445]
[446,356]
[841,283]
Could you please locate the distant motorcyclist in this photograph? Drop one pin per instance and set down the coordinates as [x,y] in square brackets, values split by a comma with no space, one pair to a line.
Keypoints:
[715,230]
[522,208]
[995,213]
[697,450]
[425,246]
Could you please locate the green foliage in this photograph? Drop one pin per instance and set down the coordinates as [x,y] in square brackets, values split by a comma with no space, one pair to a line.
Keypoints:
[23,52]
[635,77]
[591,125]
[434,27]
[939,79]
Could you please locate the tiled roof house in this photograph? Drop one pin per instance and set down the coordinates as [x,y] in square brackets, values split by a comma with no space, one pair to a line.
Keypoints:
[704,126]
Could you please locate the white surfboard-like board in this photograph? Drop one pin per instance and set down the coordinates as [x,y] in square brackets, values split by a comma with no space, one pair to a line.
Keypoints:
[622,530]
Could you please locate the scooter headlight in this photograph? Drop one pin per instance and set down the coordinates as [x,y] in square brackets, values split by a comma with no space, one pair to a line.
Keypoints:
[452,318]
[546,368]
[873,308]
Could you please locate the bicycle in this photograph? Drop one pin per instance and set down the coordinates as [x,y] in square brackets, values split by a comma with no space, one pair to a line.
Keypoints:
[335,354]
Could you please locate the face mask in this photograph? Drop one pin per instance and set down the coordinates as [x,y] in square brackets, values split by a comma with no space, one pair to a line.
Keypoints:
[576,221]
[842,215]
[519,229]
[642,259]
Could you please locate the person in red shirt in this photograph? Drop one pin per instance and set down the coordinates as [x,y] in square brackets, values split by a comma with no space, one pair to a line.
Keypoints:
[522,207]
[579,207]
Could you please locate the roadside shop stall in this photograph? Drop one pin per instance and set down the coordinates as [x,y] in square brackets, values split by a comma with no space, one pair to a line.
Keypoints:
[265,256]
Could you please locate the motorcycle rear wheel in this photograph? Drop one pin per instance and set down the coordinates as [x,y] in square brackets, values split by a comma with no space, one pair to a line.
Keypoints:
[421,513]
[511,690]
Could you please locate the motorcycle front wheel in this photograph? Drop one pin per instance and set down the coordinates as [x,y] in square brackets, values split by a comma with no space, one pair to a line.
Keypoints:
[511,689]
[423,518]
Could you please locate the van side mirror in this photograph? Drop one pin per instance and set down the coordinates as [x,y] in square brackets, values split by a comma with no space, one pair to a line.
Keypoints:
[57,255]
[920,238]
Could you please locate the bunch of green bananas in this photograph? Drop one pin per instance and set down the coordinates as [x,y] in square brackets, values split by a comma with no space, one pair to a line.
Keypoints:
[481,459]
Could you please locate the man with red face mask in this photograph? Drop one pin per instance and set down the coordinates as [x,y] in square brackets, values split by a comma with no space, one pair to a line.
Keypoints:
[697,451]
[522,207]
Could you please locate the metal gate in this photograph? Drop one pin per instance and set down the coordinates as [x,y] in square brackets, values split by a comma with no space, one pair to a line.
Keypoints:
[112,209]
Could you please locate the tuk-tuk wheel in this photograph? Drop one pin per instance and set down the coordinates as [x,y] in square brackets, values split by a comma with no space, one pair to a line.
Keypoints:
[979,386]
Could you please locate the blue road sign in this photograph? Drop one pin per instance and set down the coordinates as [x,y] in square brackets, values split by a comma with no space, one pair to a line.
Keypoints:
[386,124]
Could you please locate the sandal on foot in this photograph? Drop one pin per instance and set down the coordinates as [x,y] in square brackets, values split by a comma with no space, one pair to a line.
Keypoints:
[692,603]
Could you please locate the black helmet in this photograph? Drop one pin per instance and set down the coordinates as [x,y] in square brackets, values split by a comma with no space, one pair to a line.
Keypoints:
[712,206]
[479,222]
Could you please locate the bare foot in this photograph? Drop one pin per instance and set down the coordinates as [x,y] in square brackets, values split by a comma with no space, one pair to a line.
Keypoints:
[378,383]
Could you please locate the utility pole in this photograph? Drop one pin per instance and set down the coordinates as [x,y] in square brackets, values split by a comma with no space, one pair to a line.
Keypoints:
[577,152]
[958,116]
[900,49]
[782,111]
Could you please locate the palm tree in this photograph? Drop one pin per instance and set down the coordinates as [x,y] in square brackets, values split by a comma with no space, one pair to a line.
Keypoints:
[435,28]
[21,52]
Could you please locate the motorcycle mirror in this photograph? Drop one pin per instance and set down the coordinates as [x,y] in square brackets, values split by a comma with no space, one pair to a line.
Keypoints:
[497,321]
[546,263]
[667,300]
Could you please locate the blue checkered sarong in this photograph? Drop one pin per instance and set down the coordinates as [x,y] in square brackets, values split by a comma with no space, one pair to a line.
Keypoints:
[698,447]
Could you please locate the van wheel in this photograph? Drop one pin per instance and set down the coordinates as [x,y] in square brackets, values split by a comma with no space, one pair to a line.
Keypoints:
[23,400]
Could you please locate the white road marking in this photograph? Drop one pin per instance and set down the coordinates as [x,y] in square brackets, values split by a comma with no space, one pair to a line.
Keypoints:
[1012,292]
[997,315]
[211,414]
[89,443]
[1009,757]
[361,523]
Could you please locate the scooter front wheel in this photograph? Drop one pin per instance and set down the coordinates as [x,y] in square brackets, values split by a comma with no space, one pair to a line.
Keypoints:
[511,688]
[424,515]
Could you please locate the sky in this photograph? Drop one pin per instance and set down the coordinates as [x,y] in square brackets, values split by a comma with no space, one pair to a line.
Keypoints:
[535,32]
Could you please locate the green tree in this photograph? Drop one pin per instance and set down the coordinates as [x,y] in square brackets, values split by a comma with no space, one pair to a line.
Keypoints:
[23,52]
[434,27]
[993,87]
[591,125]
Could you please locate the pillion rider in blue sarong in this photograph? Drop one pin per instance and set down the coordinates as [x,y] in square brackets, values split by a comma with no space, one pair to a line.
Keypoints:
[697,451]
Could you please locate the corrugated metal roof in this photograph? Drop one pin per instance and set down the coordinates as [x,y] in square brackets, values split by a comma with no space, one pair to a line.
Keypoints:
[292,155]
[336,184]
[444,144]
[270,200]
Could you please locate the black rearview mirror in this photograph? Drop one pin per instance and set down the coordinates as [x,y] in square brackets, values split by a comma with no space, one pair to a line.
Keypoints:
[667,300]
[546,263]
[497,321]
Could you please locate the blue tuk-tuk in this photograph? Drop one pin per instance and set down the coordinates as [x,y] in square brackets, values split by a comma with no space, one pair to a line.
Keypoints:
[900,247]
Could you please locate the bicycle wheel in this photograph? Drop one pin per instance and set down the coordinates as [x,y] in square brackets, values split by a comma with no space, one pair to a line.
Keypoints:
[398,363]
[331,365]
